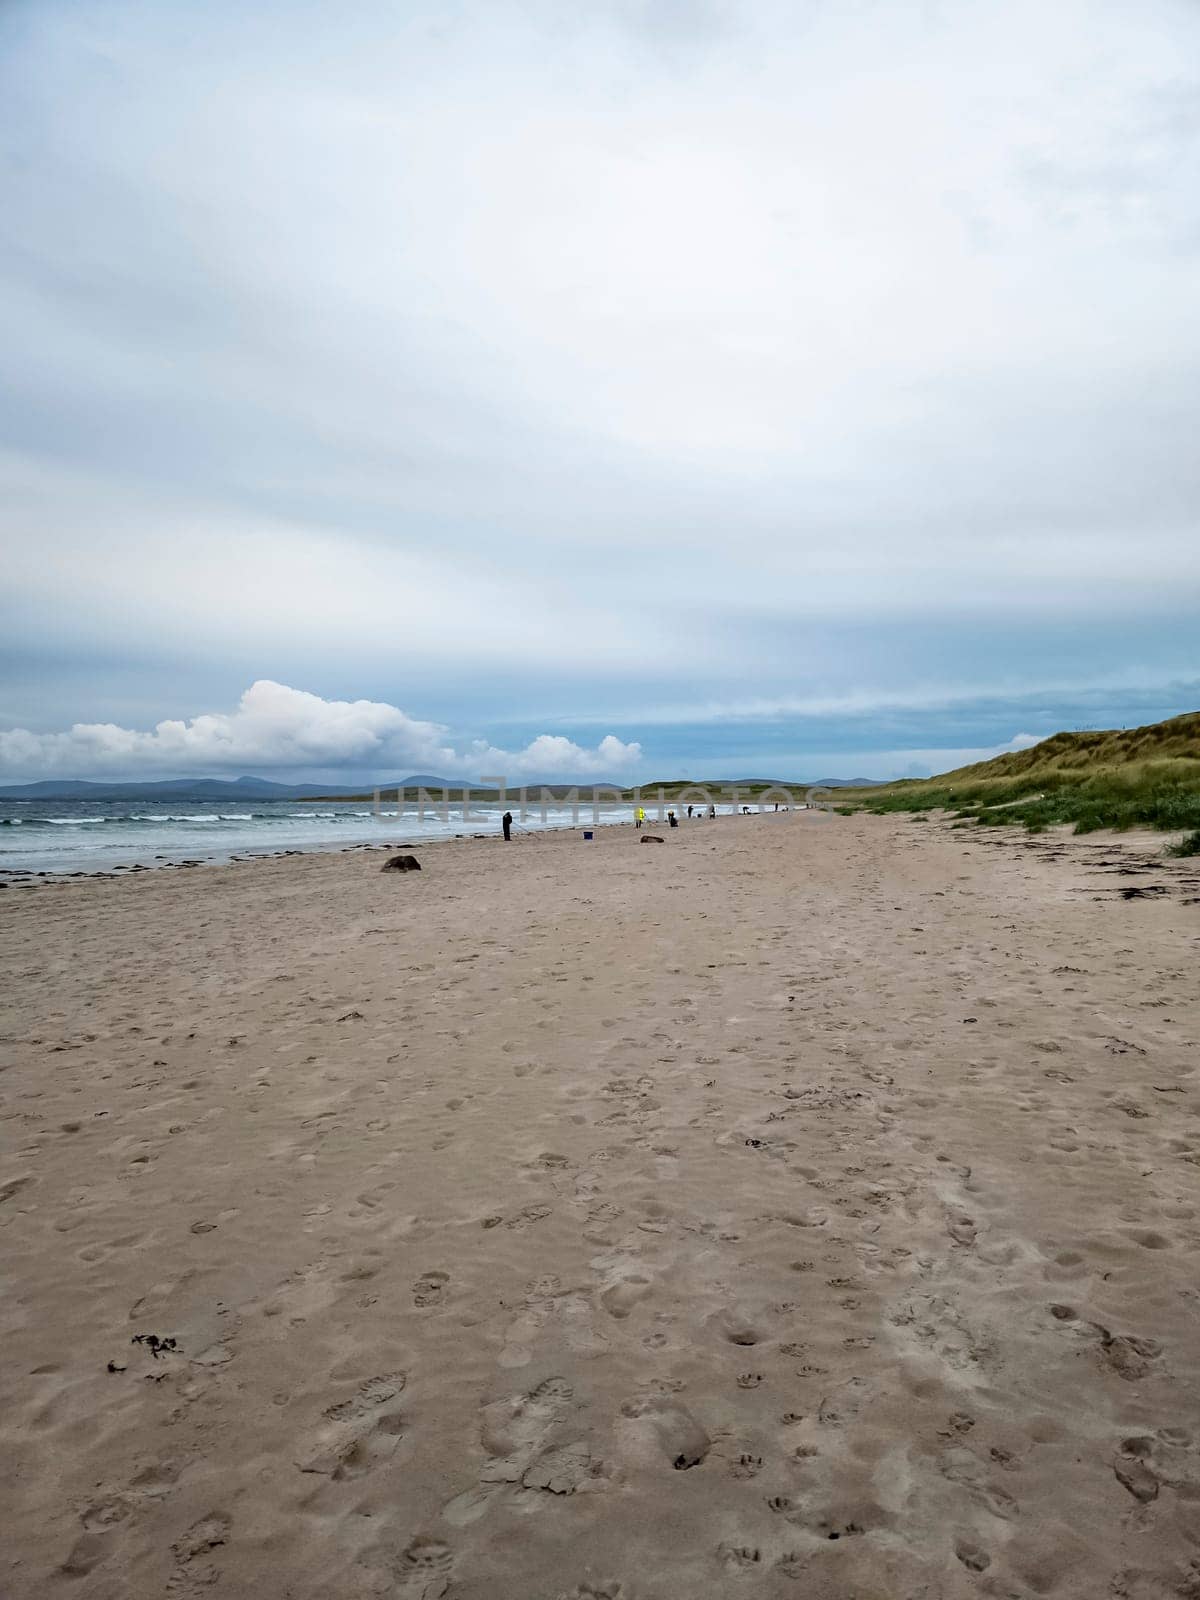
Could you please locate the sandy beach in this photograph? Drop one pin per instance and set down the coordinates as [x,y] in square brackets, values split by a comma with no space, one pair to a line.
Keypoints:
[798,1207]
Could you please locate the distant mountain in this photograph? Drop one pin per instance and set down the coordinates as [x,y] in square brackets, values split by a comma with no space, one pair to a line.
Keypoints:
[801,783]
[422,780]
[762,783]
[249,788]
[846,783]
[558,787]
[168,789]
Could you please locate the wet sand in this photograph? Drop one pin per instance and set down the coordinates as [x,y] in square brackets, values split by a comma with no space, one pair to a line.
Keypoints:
[798,1207]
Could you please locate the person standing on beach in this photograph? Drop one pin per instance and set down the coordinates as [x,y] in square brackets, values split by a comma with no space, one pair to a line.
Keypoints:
[639,816]
[506,824]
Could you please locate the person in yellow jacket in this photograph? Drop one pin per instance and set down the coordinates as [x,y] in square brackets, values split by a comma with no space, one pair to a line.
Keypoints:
[639,816]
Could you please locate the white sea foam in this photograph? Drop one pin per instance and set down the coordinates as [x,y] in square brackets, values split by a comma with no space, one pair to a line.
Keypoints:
[84,841]
[186,816]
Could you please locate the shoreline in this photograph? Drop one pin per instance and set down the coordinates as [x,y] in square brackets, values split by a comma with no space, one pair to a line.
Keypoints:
[1016,835]
[11,877]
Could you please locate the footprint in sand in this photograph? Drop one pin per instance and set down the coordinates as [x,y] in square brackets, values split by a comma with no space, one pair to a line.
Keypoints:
[207,1534]
[741,1558]
[740,1326]
[106,1513]
[421,1571]
[88,1551]
[839,1527]
[359,1432]
[962,1466]
[372,1394]
[961,1229]
[469,1506]
[560,1471]
[518,1436]
[424,1568]
[527,1216]
[156,1479]
[430,1288]
[684,1442]
[843,1404]
[620,1298]
[971,1556]
[1136,1476]
[1129,1357]
[1141,1583]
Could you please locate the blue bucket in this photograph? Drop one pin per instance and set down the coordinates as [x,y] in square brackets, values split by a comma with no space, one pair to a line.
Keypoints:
[587,833]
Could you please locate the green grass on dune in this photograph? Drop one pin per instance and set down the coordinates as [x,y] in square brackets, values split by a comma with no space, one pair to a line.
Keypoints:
[1123,778]
[1159,795]
[1094,752]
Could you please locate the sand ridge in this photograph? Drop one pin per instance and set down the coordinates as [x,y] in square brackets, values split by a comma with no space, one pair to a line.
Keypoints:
[802,1208]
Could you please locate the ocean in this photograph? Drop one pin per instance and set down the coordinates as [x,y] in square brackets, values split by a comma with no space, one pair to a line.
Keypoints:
[54,836]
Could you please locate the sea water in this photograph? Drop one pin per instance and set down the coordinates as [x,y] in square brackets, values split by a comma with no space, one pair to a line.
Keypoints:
[95,835]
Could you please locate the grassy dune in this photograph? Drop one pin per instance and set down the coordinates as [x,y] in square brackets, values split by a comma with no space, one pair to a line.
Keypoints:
[1136,778]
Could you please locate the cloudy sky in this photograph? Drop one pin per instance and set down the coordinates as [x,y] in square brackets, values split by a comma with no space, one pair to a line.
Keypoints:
[758,387]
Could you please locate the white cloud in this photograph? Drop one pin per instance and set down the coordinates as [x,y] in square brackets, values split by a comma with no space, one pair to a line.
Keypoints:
[551,755]
[278,728]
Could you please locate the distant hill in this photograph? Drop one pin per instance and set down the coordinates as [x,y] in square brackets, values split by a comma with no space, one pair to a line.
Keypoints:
[167,789]
[1121,778]
[560,789]
[761,783]
[423,780]
[1177,739]
[251,788]
[845,783]
[246,788]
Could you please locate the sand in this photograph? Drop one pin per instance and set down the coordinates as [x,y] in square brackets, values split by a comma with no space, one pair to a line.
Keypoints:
[793,1208]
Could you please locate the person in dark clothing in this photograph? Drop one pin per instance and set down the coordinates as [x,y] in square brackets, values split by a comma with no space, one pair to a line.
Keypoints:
[506,823]
[672,819]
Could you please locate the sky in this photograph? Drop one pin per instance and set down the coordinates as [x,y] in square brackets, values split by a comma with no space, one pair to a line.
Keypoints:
[619,389]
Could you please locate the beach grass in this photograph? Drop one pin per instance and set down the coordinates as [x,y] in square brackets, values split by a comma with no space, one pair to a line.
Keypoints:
[1130,778]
